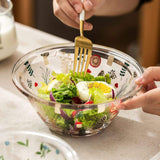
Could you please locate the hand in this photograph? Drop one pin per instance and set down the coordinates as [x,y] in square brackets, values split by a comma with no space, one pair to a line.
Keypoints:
[68,11]
[150,100]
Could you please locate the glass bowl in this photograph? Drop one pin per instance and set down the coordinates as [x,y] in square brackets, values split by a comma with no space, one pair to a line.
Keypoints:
[24,145]
[75,119]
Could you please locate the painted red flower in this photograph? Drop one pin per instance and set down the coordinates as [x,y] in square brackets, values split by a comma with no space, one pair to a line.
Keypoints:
[88,71]
[116,85]
[35,84]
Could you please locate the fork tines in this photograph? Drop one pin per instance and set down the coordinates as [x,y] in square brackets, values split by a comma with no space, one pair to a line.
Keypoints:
[83,52]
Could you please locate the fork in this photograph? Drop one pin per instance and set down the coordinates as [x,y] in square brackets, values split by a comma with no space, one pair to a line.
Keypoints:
[83,48]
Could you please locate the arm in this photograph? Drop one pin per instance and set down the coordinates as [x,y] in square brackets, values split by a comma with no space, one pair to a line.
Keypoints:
[114,7]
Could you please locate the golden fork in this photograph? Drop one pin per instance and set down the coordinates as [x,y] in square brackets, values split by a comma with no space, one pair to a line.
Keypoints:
[83,48]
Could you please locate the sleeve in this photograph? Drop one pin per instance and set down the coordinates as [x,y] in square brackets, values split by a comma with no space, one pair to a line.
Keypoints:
[141,2]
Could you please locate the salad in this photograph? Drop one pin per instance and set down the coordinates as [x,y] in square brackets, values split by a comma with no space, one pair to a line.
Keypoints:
[73,88]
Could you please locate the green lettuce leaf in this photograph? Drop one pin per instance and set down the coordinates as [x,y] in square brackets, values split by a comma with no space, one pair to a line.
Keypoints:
[43,92]
[91,118]
[97,95]
[43,88]
[65,93]
[107,78]
[64,78]
[88,77]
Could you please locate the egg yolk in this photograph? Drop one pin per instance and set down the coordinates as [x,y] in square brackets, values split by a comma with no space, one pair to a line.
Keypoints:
[102,86]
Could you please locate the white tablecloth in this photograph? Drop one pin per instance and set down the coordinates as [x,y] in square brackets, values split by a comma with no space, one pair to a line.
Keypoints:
[133,135]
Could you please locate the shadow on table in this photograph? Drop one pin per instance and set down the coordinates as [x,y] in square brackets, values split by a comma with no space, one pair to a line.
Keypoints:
[124,138]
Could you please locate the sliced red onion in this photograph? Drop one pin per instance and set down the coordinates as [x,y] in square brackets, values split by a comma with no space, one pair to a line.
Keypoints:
[51,97]
[76,100]
[72,81]
[113,95]
[64,115]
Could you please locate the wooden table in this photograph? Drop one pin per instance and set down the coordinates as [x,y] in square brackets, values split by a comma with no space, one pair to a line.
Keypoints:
[133,135]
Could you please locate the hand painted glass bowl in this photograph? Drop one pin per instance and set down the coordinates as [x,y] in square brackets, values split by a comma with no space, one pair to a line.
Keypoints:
[24,145]
[75,120]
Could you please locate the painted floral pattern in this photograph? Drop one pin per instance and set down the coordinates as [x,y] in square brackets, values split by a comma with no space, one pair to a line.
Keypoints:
[41,152]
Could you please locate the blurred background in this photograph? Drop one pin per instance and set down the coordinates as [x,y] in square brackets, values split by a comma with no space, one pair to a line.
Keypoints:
[136,33]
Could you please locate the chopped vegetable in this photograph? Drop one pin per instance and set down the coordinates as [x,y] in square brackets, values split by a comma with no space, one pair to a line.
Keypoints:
[73,88]
[51,97]
[77,89]
[89,102]
[97,95]
[65,93]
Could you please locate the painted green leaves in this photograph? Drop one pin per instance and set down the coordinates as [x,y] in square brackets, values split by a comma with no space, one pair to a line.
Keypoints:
[43,150]
[24,144]
[1,158]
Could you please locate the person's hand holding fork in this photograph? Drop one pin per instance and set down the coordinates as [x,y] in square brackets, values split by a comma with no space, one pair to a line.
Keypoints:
[68,10]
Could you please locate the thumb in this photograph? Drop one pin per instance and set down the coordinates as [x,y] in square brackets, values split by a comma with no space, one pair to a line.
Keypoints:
[149,98]
[150,75]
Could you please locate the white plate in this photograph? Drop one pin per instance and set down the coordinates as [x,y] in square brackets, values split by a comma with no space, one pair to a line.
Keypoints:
[24,145]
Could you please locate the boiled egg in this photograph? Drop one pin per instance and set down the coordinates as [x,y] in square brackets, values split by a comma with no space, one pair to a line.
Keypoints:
[84,86]
[83,90]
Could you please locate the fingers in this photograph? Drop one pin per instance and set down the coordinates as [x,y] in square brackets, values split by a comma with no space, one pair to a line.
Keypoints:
[151,74]
[88,5]
[132,103]
[63,17]
[151,85]
[68,12]
[76,4]
[148,99]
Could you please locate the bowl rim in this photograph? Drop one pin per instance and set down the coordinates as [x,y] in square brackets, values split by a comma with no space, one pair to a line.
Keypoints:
[9,9]
[63,146]
[74,106]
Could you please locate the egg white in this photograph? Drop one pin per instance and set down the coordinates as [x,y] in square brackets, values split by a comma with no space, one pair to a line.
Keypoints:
[82,90]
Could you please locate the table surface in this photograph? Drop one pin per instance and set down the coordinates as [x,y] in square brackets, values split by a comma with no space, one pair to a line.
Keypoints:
[133,135]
